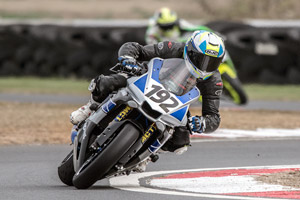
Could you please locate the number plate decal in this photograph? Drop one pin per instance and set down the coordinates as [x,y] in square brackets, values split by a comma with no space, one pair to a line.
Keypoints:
[162,97]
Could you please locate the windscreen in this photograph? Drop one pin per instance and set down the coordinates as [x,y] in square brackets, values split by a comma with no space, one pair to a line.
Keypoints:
[176,77]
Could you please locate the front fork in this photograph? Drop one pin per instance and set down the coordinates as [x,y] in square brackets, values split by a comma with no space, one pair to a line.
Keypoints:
[81,139]
[151,152]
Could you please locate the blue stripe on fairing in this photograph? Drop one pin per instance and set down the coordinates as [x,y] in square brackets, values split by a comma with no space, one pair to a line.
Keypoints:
[141,82]
[193,93]
[154,146]
[157,64]
[179,114]
[108,106]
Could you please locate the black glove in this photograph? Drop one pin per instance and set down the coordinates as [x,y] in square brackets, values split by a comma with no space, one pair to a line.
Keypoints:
[102,86]
[130,64]
[197,124]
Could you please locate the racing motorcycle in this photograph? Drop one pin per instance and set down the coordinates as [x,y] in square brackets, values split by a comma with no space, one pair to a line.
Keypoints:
[132,124]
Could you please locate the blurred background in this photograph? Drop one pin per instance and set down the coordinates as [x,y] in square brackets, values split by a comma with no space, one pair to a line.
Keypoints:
[118,9]
[68,38]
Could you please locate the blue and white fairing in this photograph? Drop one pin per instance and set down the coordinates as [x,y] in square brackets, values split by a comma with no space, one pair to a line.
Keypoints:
[165,92]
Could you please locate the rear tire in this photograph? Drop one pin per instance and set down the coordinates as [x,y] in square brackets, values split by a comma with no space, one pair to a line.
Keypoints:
[66,170]
[233,88]
[97,168]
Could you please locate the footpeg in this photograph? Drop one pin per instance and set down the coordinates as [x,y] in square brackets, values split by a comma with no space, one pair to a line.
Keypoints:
[154,158]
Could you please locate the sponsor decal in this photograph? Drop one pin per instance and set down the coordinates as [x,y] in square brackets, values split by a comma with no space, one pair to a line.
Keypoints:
[122,115]
[211,52]
[149,132]
[160,45]
[218,92]
[170,45]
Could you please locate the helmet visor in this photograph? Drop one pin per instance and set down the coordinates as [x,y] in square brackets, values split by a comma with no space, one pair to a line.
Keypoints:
[167,26]
[202,62]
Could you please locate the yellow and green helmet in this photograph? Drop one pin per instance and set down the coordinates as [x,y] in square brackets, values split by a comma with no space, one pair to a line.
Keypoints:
[203,53]
[166,18]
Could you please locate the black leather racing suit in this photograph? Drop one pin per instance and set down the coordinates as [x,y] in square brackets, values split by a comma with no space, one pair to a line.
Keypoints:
[210,89]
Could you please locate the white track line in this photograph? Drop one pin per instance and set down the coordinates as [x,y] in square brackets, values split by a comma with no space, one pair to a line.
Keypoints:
[131,183]
[258,133]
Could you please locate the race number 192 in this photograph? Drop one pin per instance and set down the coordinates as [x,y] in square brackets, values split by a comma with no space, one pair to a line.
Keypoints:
[160,95]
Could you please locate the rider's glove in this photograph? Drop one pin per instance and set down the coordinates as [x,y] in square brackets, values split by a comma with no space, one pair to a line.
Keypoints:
[197,124]
[129,63]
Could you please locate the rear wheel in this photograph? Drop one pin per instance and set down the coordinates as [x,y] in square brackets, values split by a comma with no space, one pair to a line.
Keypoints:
[66,170]
[99,164]
[233,89]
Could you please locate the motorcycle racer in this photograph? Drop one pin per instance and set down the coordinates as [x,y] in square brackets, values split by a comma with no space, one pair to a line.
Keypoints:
[166,26]
[203,53]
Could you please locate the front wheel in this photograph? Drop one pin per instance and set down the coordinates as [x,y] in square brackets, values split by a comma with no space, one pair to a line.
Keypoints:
[96,167]
[66,170]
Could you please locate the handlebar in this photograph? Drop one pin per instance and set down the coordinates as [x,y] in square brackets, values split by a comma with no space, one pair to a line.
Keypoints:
[132,71]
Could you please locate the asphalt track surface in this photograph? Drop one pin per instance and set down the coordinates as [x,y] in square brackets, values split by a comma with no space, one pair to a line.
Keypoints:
[80,100]
[30,172]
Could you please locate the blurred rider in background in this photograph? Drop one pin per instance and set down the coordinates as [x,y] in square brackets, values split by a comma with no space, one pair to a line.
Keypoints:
[166,26]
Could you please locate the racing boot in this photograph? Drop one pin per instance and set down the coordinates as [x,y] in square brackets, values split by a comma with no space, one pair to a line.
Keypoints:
[81,114]
[178,143]
[177,151]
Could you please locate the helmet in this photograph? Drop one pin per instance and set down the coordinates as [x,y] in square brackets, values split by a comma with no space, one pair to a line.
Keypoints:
[166,18]
[203,53]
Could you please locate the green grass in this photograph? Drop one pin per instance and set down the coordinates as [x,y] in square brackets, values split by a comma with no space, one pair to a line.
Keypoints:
[79,87]
[25,15]
[273,92]
[44,85]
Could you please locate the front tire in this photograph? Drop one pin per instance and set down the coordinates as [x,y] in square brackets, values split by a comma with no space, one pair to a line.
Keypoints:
[66,170]
[93,170]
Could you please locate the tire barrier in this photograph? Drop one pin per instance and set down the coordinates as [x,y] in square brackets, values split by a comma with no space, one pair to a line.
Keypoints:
[67,51]
[260,54]
[263,55]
